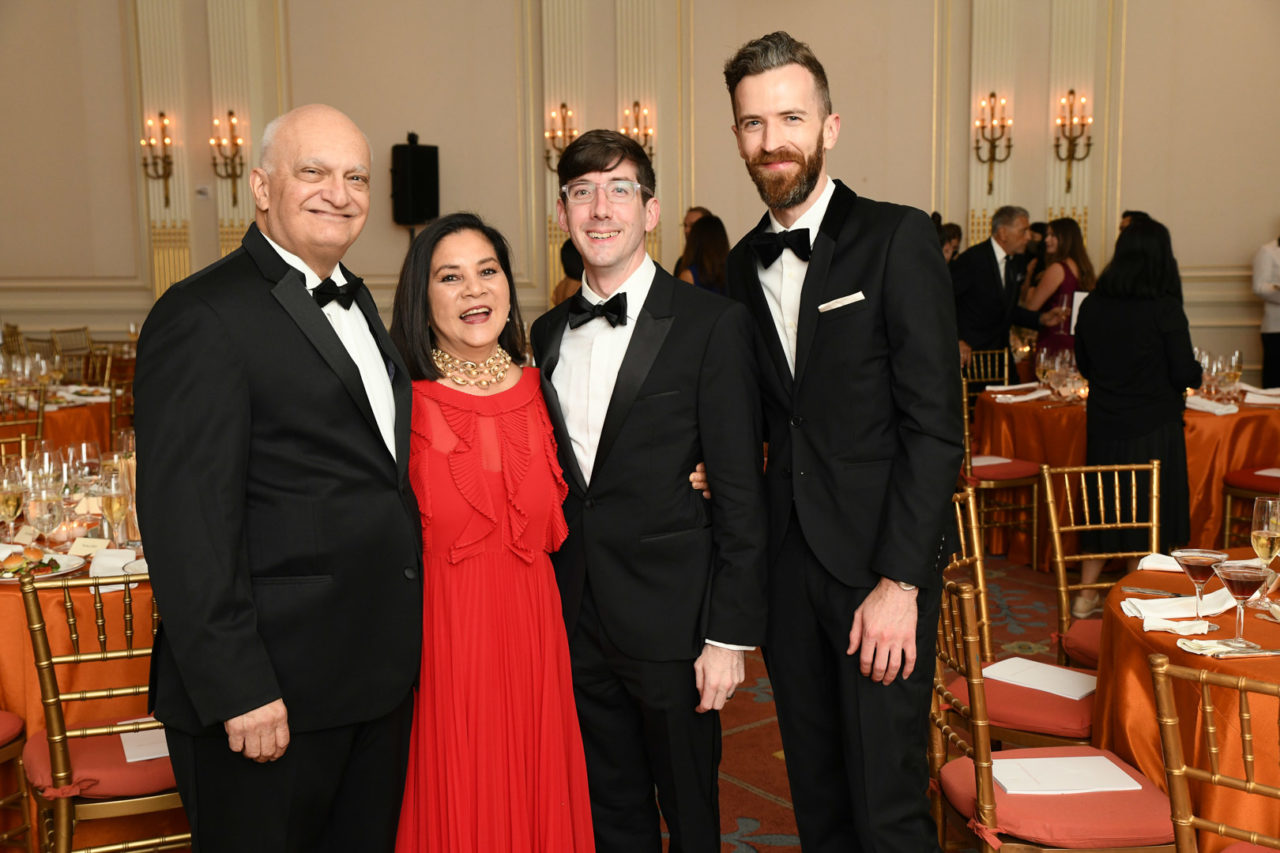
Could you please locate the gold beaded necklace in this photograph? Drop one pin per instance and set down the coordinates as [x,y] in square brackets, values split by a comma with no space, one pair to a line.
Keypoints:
[463,372]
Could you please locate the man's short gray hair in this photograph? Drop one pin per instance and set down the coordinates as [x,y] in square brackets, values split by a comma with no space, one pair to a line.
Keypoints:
[1007,215]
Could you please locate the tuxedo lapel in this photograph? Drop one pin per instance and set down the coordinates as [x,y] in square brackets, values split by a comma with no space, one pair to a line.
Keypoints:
[401,388]
[652,326]
[558,321]
[815,278]
[755,301]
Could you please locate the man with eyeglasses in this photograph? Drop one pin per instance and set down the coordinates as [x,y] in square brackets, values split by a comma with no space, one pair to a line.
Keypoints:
[663,592]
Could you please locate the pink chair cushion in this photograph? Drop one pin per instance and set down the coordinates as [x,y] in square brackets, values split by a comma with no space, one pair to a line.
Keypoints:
[10,726]
[1111,819]
[1083,642]
[1245,478]
[1014,707]
[98,768]
[1014,469]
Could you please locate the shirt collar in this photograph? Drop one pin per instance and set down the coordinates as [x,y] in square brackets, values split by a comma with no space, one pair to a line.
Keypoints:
[1001,254]
[636,287]
[811,218]
[312,280]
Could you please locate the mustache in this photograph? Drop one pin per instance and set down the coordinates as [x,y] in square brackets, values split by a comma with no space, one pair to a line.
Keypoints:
[764,159]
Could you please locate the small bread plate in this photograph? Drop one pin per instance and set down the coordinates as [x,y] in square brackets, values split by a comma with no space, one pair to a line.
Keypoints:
[64,564]
[136,567]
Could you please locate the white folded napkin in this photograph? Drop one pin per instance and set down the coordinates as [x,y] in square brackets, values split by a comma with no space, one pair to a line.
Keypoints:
[1184,607]
[1159,563]
[1185,629]
[1270,392]
[1267,472]
[1020,398]
[1200,404]
[1020,387]
[1253,398]
[989,460]
[1203,647]
[108,562]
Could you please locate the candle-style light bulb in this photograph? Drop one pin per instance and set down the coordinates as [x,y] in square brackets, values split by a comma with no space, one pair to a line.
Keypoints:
[213,141]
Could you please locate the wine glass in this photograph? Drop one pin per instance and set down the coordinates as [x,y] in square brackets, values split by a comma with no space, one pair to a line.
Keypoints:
[114,495]
[13,488]
[1197,565]
[84,462]
[44,508]
[125,443]
[57,369]
[1242,578]
[1044,362]
[1265,536]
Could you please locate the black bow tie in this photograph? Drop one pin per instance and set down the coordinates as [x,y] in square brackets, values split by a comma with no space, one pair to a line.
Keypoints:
[327,291]
[769,244]
[581,311]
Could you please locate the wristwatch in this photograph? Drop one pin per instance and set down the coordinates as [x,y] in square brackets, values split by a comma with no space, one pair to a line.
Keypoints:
[906,587]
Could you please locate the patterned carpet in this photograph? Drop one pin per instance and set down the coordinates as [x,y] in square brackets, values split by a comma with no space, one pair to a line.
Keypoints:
[756,814]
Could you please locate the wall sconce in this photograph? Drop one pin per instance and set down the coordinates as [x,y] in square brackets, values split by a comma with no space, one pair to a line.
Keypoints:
[1070,127]
[228,162]
[989,130]
[635,123]
[559,137]
[157,165]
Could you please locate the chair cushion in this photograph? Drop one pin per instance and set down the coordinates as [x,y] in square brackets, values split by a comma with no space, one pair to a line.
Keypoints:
[1014,707]
[1014,469]
[1110,819]
[98,768]
[1246,478]
[1083,642]
[10,726]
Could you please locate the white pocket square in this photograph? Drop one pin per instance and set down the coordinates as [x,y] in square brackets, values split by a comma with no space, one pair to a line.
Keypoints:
[841,302]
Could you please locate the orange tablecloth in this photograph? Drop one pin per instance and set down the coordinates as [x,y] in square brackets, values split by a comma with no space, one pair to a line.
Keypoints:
[1055,435]
[1125,714]
[20,690]
[73,424]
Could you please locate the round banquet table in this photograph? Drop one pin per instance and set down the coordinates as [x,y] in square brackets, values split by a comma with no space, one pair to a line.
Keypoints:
[20,689]
[1124,718]
[1043,432]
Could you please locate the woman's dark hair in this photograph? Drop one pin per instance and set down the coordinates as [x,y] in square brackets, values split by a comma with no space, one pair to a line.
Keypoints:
[708,248]
[571,261]
[411,329]
[1071,245]
[1143,266]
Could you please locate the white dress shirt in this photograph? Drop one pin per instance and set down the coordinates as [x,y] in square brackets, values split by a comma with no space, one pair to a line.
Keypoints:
[353,330]
[587,368]
[1002,260]
[783,280]
[1266,283]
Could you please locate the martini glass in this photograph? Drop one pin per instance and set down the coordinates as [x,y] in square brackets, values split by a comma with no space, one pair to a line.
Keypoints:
[1198,565]
[1242,578]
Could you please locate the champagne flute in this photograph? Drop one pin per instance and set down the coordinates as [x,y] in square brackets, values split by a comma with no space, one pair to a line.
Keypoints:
[44,509]
[13,488]
[1044,362]
[1265,536]
[1197,565]
[1242,578]
[114,495]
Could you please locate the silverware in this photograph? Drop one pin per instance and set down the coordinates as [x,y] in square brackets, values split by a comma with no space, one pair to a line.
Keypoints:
[1267,617]
[1246,653]
[1142,590]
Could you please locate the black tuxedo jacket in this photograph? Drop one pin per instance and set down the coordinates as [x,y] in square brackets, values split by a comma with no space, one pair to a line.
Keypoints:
[668,569]
[865,442]
[984,307]
[282,537]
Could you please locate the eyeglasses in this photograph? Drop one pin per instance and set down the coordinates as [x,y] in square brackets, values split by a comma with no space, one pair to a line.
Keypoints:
[615,192]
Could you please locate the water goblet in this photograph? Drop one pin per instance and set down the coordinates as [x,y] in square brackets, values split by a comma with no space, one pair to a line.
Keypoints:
[1265,537]
[13,488]
[44,509]
[1197,564]
[1242,578]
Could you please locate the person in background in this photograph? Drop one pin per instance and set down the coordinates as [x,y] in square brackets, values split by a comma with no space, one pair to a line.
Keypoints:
[1266,283]
[949,236]
[1129,216]
[705,254]
[1133,344]
[1067,270]
[571,263]
[691,216]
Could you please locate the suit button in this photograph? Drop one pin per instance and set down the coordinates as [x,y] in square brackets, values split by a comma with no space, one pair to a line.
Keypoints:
[411,573]
[796,420]
[802,473]
[589,503]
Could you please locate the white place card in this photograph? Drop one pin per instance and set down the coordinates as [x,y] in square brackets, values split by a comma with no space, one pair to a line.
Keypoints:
[1035,675]
[26,535]
[1268,472]
[1066,775]
[86,546]
[143,746]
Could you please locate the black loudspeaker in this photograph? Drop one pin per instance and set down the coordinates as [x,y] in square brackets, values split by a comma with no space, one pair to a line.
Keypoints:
[415,182]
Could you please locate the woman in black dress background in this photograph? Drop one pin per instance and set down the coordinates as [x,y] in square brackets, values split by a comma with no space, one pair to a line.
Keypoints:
[1133,344]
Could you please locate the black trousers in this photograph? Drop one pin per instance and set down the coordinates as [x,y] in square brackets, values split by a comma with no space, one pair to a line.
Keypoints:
[855,750]
[1270,359]
[333,790]
[640,731]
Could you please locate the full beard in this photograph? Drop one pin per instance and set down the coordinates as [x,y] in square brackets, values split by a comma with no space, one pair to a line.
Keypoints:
[780,191]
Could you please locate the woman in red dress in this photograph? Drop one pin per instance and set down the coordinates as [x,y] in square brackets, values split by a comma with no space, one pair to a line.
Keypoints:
[496,761]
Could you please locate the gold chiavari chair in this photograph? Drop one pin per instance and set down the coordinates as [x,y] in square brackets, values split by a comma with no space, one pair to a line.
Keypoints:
[77,340]
[39,346]
[13,341]
[21,418]
[961,760]
[79,774]
[1016,714]
[1017,477]
[97,367]
[1095,498]
[121,407]
[985,367]
[12,741]
[1179,774]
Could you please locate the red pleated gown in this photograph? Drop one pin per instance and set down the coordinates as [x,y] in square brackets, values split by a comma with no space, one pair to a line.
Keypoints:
[496,760]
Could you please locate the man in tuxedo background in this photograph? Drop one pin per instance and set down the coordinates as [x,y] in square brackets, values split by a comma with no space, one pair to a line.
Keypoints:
[663,592]
[987,278]
[862,413]
[272,414]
